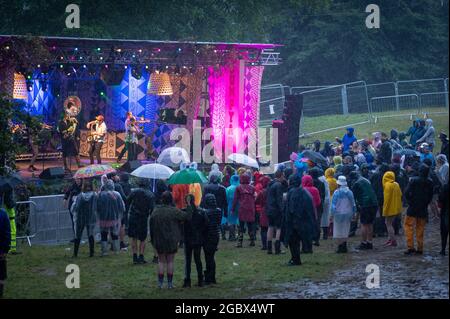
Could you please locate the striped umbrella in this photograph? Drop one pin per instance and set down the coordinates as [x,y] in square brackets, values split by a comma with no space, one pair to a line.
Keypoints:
[93,170]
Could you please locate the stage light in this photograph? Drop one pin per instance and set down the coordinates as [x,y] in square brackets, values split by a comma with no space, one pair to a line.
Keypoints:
[106,66]
[29,85]
[134,55]
[7,47]
[146,67]
[126,67]
[84,66]
[61,66]
[140,50]
[76,49]
[102,93]
[101,58]
[98,49]
[61,57]
[179,49]
[81,58]
[119,50]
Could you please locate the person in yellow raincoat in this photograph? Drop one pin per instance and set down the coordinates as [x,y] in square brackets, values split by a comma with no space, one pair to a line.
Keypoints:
[8,205]
[332,183]
[392,205]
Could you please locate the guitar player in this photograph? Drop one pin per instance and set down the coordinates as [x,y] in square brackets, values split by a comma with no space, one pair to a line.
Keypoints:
[96,138]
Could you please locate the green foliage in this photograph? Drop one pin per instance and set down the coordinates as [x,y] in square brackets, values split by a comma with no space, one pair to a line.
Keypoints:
[325,42]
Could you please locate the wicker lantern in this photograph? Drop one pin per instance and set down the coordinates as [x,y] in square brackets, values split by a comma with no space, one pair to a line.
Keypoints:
[20,87]
[159,84]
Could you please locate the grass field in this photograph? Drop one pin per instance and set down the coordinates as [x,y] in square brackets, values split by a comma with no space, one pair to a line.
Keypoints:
[39,272]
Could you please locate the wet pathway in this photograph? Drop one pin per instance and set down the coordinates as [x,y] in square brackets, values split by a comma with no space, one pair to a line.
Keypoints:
[401,276]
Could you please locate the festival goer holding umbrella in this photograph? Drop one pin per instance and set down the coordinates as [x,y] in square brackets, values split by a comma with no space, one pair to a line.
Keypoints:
[244,204]
[211,241]
[418,194]
[165,233]
[307,184]
[342,209]
[443,204]
[194,237]
[220,193]
[5,244]
[110,208]
[392,205]
[274,210]
[84,211]
[232,218]
[367,205]
[298,218]
[260,207]
[141,203]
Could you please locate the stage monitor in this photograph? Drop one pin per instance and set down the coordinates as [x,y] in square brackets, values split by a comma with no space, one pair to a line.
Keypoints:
[52,173]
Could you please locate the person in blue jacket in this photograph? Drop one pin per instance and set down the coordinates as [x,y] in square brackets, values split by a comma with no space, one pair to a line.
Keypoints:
[232,218]
[348,139]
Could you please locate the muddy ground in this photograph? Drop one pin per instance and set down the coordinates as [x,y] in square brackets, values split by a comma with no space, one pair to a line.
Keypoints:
[401,276]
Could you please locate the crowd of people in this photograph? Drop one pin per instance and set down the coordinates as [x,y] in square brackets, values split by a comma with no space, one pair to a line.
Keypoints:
[380,184]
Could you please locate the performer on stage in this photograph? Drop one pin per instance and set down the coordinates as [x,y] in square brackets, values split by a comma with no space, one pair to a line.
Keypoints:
[97,137]
[32,129]
[68,128]
[126,147]
[132,131]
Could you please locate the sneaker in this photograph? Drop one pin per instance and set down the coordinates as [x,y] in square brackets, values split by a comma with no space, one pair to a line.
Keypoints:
[369,246]
[135,260]
[155,260]
[419,252]
[293,263]
[170,285]
[187,283]
[252,243]
[410,252]
[442,253]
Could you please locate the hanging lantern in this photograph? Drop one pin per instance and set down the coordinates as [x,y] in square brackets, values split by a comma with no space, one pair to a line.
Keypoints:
[20,87]
[159,84]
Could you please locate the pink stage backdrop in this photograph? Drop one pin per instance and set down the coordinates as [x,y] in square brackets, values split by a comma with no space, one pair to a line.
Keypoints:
[234,104]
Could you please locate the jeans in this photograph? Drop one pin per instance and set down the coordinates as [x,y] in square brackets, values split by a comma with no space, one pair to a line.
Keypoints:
[210,250]
[444,230]
[95,149]
[188,250]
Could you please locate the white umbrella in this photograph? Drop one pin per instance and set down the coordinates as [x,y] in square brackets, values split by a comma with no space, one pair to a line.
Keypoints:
[173,157]
[154,171]
[243,159]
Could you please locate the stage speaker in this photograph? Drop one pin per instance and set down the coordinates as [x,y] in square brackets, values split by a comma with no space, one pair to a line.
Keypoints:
[52,173]
[289,126]
[130,166]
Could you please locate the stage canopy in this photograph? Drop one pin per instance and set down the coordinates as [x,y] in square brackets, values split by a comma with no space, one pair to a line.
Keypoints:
[213,82]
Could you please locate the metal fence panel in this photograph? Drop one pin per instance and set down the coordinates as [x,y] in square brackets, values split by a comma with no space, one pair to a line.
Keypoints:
[50,220]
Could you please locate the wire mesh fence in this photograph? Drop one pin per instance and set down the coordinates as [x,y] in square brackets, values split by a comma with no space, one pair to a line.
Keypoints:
[332,107]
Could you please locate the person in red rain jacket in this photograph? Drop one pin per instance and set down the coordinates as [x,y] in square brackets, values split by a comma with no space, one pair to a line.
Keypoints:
[245,197]
[260,204]
[308,184]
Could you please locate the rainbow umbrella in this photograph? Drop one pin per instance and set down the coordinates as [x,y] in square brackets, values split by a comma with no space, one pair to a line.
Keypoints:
[93,170]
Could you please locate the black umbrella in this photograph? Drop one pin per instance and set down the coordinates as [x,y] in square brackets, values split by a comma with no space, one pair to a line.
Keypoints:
[315,157]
